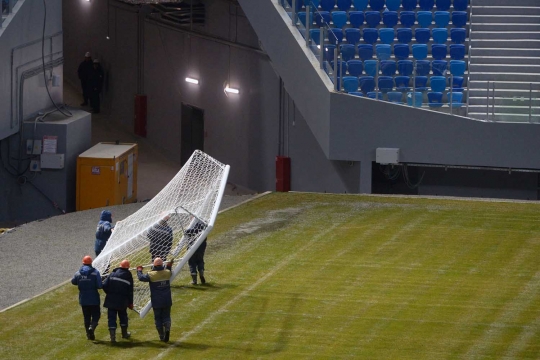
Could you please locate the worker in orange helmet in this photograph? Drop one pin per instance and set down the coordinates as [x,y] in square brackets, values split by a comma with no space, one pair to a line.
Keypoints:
[119,289]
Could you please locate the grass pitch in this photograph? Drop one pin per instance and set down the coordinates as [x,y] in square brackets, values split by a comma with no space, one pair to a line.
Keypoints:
[330,276]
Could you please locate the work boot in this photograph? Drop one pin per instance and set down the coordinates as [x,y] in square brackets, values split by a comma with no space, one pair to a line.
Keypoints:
[125,333]
[194,281]
[91,330]
[88,332]
[203,280]
[160,332]
[167,327]
[113,335]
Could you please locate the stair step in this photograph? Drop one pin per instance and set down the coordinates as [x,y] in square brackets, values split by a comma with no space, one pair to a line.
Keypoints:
[504,52]
[494,76]
[505,19]
[508,35]
[504,109]
[504,68]
[506,60]
[516,3]
[503,26]
[517,102]
[505,44]
[517,94]
[508,85]
[522,118]
[506,10]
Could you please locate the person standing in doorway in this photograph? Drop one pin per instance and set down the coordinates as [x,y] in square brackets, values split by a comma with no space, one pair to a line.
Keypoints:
[85,68]
[95,83]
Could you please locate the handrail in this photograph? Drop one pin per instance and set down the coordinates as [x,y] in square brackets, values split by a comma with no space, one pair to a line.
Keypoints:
[470,55]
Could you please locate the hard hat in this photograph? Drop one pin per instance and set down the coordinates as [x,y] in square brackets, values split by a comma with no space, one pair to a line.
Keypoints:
[87,54]
[158,262]
[96,61]
[124,264]
[87,260]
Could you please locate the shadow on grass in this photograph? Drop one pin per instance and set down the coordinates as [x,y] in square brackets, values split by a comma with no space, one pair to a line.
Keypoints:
[205,287]
[129,344]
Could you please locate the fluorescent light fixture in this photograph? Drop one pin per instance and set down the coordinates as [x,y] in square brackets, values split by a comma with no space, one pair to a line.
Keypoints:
[231,90]
[192,81]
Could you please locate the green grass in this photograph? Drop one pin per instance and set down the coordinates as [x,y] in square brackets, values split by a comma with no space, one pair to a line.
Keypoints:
[331,276]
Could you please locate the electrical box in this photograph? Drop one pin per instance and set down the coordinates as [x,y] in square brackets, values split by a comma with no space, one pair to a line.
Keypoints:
[35,165]
[387,156]
[52,161]
[33,147]
[107,175]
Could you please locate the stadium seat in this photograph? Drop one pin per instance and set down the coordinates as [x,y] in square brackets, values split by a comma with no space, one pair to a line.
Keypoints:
[404,35]
[344,5]
[426,5]
[458,35]
[390,18]
[459,18]
[352,35]
[386,83]
[365,52]
[457,51]
[348,51]
[461,5]
[435,99]
[395,97]
[315,35]
[383,51]
[388,67]
[339,18]
[298,5]
[360,5]
[440,36]
[425,18]
[442,5]
[409,5]
[401,51]
[328,5]
[367,84]
[341,67]
[438,83]
[405,67]
[422,36]
[313,3]
[302,17]
[322,18]
[329,52]
[457,83]
[402,83]
[370,67]
[370,35]
[438,51]
[407,18]
[439,67]
[419,51]
[457,99]
[356,93]
[375,95]
[386,35]
[393,5]
[423,67]
[335,36]
[356,18]
[373,18]
[442,19]
[355,67]
[420,83]
[414,100]
[376,5]
[350,83]
[457,67]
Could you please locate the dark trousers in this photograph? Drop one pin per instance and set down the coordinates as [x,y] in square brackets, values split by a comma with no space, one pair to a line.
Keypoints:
[196,262]
[94,100]
[85,91]
[122,316]
[162,316]
[91,314]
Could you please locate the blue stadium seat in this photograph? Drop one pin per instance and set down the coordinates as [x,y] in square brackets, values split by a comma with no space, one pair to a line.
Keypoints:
[442,5]
[370,67]
[409,5]
[352,35]
[356,18]
[419,51]
[386,83]
[395,97]
[407,18]
[457,51]
[365,51]
[315,35]
[393,5]
[438,83]
[344,5]
[461,5]
[341,67]
[367,84]
[375,95]
[440,35]
[390,18]
[422,36]
[426,5]
[435,99]
[386,35]
[329,52]
[414,99]
[339,18]
[388,67]
[298,5]
[335,35]
[459,18]
[356,93]
[302,17]
[350,83]
[313,3]
[425,18]
[348,52]
[439,67]
[370,35]
[423,67]
[404,35]
[457,99]
[420,83]
[360,4]
[355,67]
[322,18]
[383,51]
[405,67]
[457,67]
[438,51]
[376,5]
[457,84]
[442,19]
[458,35]
[402,83]
[401,51]
[373,18]
[328,5]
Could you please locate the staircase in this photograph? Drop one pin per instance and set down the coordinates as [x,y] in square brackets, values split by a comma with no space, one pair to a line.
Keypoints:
[505,50]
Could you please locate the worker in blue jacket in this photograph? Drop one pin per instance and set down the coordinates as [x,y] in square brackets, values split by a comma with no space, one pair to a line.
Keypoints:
[119,289]
[104,231]
[159,278]
[88,280]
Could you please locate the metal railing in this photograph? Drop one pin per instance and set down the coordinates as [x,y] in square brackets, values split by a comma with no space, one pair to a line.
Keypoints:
[7,8]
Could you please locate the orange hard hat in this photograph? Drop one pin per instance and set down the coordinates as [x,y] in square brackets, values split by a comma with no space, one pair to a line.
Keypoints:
[158,262]
[124,264]
[87,260]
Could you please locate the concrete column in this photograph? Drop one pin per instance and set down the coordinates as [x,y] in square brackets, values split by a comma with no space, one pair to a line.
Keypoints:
[365,177]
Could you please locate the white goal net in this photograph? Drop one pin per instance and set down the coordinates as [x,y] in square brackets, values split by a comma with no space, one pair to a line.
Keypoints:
[171,226]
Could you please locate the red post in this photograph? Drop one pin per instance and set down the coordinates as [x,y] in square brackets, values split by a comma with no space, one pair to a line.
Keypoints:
[283,173]
[140,115]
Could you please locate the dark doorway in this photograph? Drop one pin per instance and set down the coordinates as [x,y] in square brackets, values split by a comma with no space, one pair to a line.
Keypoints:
[192,129]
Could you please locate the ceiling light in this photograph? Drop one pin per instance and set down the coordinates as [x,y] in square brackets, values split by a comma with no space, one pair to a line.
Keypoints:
[231,90]
[192,81]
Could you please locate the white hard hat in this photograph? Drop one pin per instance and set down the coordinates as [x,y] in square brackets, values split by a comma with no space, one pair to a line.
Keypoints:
[87,54]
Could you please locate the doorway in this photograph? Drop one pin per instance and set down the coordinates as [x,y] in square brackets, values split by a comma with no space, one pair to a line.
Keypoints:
[192,130]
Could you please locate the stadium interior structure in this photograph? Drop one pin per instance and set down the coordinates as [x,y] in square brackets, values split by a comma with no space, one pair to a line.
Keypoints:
[426,97]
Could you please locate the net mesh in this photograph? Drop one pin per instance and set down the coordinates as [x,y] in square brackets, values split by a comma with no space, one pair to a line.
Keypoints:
[173,222]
